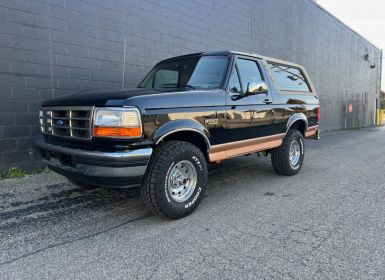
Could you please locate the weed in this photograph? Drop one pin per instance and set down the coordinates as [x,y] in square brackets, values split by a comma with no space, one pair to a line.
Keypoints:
[15,172]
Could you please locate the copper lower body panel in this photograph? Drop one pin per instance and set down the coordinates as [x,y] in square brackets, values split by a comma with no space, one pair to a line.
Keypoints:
[233,149]
[311,132]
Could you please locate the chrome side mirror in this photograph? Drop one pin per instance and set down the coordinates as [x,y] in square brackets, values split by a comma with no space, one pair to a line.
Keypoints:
[256,88]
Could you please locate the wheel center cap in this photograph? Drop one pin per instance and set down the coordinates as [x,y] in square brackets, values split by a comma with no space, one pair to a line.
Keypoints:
[182,181]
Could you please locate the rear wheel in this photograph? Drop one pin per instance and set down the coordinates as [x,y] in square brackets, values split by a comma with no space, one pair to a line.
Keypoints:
[175,180]
[288,158]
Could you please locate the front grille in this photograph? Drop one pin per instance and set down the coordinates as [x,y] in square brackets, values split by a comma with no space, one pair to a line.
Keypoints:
[70,122]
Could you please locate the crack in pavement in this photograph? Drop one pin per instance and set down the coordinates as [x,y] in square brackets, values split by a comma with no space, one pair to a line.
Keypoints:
[72,241]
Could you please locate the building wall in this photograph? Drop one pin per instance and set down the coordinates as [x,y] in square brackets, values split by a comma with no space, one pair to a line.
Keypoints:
[54,47]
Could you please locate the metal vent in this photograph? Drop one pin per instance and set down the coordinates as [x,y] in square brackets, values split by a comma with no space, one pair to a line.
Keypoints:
[69,122]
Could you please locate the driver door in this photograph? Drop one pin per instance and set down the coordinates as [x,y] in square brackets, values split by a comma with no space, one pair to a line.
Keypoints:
[249,117]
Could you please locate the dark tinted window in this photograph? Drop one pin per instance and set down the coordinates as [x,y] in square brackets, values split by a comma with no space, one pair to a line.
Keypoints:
[234,83]
[201,72]
[249,72]
[289,77]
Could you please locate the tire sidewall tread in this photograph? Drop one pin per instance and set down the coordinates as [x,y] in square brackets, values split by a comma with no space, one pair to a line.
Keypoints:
[154,189]
[280,156]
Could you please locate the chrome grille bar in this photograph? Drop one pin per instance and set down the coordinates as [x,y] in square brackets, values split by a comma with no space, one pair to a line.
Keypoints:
[68,122]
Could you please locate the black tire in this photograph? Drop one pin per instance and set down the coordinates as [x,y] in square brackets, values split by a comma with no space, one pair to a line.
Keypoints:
[82,185]
[156,191]
[280,157]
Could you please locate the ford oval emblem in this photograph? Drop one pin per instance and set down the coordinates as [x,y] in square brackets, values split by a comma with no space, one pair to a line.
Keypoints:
[60,122]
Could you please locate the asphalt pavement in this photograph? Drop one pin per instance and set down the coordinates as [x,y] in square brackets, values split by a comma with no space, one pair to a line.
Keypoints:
[328,222]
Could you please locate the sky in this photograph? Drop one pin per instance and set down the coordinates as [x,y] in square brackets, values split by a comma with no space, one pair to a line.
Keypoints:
[366,17]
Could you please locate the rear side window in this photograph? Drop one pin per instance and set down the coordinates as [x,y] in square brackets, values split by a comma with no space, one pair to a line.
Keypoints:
[289,78]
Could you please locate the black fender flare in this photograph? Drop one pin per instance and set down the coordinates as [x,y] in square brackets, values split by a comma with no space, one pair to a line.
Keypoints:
[181,125]
[295,118]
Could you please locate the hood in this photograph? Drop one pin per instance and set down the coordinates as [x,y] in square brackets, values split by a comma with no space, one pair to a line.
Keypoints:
[104,98]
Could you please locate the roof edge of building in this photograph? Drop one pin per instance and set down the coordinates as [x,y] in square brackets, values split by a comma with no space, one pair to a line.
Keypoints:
[344,24]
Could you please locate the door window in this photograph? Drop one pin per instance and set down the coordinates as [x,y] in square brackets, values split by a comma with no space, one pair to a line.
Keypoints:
[249,72]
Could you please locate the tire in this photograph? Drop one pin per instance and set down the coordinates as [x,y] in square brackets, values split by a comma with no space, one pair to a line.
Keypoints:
[82,185]
[175,180]
[281,158]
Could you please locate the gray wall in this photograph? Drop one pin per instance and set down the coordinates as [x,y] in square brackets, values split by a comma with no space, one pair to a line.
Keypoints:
[55,47]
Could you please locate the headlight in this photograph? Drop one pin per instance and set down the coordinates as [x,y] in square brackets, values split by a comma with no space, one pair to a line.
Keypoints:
[117,122]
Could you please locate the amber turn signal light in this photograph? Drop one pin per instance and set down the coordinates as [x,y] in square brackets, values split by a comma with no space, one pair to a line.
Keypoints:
[117,131]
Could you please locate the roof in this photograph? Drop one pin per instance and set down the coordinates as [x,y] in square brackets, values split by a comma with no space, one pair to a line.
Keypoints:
[230,53]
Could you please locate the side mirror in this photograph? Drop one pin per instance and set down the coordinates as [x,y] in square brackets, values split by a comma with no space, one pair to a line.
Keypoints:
[256,88]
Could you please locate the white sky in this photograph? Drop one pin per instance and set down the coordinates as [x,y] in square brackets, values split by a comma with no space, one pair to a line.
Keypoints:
[367,17]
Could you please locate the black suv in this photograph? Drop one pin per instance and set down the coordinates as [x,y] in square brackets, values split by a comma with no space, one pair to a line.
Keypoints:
[188,111]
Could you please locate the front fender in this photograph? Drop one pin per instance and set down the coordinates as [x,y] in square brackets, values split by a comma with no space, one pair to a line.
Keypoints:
[180,125]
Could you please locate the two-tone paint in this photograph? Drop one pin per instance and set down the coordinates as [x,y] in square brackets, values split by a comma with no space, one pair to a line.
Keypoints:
[225,126]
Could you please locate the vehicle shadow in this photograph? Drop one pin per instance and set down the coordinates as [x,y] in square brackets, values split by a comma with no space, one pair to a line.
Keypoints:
[63,199]
[59,213]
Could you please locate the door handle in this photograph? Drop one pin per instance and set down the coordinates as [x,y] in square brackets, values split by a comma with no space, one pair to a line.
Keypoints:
[267,101]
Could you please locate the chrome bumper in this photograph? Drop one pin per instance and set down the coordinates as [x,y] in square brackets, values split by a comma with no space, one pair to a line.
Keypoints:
[105,169]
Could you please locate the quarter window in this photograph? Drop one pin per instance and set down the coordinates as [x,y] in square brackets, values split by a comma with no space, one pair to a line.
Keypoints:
[249,72]
[289,78]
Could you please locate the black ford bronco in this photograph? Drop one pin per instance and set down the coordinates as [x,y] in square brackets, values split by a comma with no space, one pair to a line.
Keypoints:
[187,112]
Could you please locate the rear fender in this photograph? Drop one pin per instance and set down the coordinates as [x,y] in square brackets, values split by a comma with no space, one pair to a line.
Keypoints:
[295,118]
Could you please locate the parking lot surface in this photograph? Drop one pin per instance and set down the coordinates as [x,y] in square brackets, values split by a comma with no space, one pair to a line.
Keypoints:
[328,222]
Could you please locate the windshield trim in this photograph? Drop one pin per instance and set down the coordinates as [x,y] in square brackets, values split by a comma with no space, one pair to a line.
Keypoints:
[225,76]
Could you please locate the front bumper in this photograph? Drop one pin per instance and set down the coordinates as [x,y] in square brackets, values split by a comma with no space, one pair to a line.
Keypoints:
[103,169]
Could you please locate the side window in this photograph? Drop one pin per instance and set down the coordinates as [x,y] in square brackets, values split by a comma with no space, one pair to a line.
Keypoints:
[234,83]
[249,72]
[164,78]
[289,78]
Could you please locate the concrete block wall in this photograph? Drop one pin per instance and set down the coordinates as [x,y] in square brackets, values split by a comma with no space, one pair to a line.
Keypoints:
[54,47]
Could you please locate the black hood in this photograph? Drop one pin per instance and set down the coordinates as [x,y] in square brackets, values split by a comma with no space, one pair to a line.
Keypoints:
[103,98]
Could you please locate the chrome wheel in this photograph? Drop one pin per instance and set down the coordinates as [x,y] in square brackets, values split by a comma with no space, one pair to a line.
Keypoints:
[294,153]
[182,181]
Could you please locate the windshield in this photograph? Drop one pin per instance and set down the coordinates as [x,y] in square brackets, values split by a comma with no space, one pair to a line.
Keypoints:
[200,72]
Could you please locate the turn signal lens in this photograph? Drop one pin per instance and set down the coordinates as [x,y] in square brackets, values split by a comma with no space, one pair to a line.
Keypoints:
[117,131]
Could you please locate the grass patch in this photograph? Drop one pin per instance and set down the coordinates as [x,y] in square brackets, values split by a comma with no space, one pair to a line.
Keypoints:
[15,172]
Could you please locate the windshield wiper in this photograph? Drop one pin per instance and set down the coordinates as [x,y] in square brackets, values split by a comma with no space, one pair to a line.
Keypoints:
[177,86]
[169,86]
[188,86]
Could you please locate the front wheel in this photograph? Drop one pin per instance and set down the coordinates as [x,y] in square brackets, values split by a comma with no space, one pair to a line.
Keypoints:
[288,158]
[175,180]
